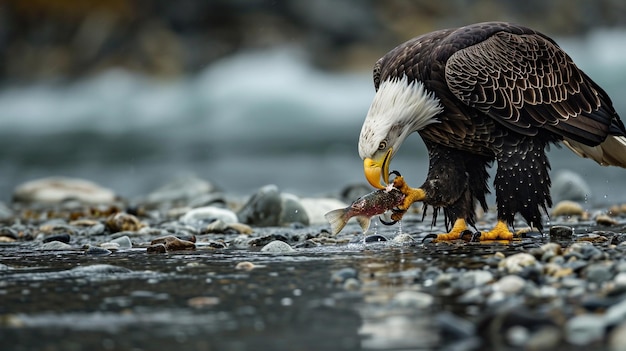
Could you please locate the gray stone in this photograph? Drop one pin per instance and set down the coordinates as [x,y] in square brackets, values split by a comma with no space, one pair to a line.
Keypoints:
[277,247]
[569,185]
[598,273]
[584,329]
[268,207]
[617,338]
[202,216]
[55,245]
[60,189]
[124,242]
[561,232]
[413,299]
[510,284]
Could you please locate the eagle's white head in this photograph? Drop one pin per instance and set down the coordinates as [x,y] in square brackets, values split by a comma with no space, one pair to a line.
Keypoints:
[399,108]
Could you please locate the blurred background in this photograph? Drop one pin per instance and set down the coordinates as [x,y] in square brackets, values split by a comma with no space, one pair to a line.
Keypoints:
[244,93]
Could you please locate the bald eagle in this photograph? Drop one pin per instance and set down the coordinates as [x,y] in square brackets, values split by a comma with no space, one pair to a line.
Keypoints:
[482,93]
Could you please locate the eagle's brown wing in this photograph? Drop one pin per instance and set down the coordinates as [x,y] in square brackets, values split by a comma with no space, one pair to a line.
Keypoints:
[526,82]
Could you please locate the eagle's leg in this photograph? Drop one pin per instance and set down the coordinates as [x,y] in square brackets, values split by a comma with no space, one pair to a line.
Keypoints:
[411,195]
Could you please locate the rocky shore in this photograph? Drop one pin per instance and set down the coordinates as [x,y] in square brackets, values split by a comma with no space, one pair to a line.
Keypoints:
[564,289]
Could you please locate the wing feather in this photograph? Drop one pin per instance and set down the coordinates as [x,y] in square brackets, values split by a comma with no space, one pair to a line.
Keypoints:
[526,82]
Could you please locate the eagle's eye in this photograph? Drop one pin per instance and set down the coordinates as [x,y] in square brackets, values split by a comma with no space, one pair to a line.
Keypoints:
[382,145]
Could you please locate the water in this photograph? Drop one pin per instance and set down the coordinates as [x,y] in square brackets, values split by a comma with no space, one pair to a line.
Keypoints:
[247,121]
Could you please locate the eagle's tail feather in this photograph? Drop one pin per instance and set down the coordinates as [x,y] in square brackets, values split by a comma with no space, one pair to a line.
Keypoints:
[611,152]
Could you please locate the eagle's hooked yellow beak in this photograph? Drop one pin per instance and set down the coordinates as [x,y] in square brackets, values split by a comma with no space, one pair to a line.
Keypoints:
[374,169]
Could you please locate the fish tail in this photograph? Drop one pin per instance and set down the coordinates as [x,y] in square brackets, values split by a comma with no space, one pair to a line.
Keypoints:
[337,219]
[364,222]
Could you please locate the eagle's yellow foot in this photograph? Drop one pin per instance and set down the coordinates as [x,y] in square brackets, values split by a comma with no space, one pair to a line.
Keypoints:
[411,195]
[499,232]
[458,229]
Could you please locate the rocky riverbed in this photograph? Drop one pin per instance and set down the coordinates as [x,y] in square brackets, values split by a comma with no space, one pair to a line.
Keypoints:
[193,267]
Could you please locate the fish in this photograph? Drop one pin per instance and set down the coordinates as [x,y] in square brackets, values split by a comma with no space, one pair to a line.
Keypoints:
[365,207]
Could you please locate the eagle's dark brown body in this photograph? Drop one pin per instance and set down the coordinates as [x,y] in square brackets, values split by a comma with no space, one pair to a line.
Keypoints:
[507,92]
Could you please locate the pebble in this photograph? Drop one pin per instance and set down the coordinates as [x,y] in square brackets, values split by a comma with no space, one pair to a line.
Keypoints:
[568,208]
[123,222]
[220,227]
[341,275]
[97,251]
[55,245]
[59,189]
[598,273]
[584,329]
[202,216]
[561,232]
[245,266]
[474,278]
[124,242]
[403,238]
[64,238]
[413,299]
[172,243]
[617,338]
[510,284]
[569,185]
[375,238]
[269,207]
[277,247]
[516,262]
[317,207]
[606,220]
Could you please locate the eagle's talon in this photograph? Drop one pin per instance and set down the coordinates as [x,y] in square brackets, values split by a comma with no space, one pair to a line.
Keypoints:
[385,222]
[467,234]
[396,173]
[430,236]
[476,236]
[397,216]
[397,210]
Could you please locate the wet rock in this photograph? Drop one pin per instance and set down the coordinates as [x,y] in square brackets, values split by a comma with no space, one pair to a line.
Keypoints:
[617,338]
[510,284]
[561,232]
[227,228]
[598,273]
[277,247]
[5,212]
[413,299]
[569,185]
[584,329]
[55,245]
[89,227]
[568,208]
[453,327]
[403,238]
[474,278]
[97,251]
[268,207]
[57,229]
[124,242]
[156,248]
[341,275]
[245,266]
[123,222]
[64,238]
[179,190]
[60,189]
[606,220]
[516,262]
[173,243]
[316,208]
[199,217]
[99,269]
[351,284]
[374,239]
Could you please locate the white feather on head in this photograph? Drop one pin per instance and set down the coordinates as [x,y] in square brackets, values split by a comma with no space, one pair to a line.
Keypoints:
[399,108]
